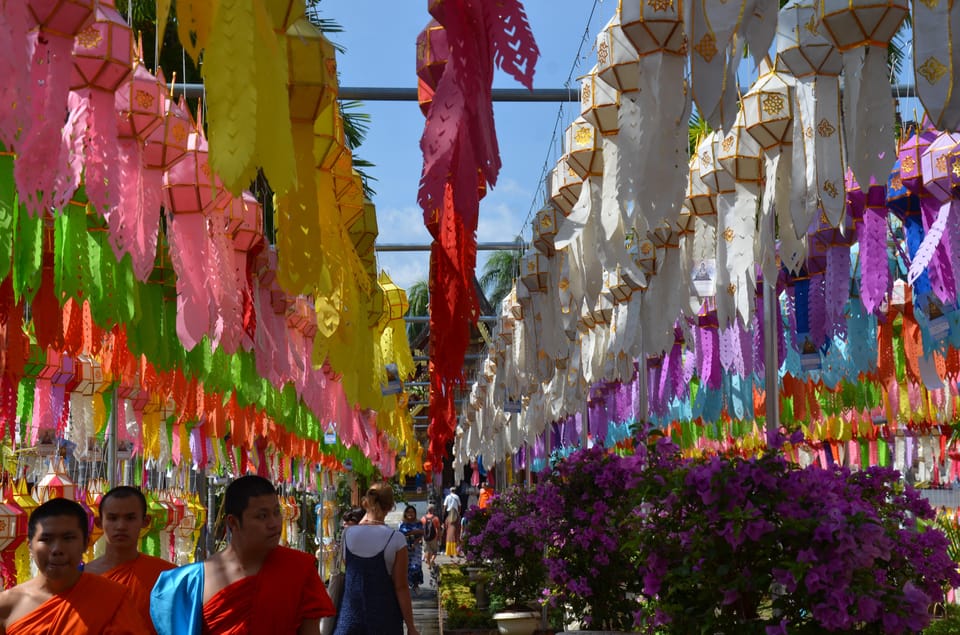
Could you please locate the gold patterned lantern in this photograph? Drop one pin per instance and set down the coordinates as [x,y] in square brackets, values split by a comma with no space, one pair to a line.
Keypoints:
[89,375]
[545,229]
[516,309]
[653,26]
[585,155]
[13,522]
[599,103]
[620,284]
[140,104]
[740,154]
[801,47]
[768,110]
[699,199]
[603,308]
[565,186]
[712,173]
[616,57]
[534,272]
[644,255]
[862,31]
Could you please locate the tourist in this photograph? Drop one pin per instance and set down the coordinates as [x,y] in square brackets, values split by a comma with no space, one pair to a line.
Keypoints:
[376,598]
[412,529]
[451,508]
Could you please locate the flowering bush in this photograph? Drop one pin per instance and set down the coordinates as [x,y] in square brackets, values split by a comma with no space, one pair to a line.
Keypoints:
[505,536]
[582,508]
[761,546]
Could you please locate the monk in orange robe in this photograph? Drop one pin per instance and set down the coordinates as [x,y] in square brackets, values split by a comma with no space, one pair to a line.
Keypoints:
[123,514]
[253,586]
[62,598]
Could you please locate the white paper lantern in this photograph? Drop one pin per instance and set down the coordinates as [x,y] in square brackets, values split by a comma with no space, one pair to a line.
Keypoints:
[585,154]
[654,26]
[616,57]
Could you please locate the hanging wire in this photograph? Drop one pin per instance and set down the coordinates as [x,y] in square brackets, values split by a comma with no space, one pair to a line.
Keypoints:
[552,150]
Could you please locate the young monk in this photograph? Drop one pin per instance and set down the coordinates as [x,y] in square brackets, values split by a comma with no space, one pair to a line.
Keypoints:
[62,598]
[253,586]
[123,513]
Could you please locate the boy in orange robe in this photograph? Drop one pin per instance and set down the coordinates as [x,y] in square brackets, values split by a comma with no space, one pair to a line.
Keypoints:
[253,586]
[123,514]
[62,598]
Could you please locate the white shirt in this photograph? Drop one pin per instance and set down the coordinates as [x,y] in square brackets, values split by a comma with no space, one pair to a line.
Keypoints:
[367,540]
[451,501]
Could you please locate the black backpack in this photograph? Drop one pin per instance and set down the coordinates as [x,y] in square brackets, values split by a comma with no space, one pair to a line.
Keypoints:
[430,529]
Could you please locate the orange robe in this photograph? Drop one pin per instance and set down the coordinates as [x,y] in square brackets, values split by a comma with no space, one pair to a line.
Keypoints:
[92,606]
[286,591]
[139,576]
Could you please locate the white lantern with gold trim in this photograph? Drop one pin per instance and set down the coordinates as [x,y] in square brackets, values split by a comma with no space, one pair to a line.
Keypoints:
[585,156]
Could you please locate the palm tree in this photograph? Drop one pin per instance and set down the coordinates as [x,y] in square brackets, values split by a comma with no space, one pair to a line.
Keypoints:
[499,273]
[418,296]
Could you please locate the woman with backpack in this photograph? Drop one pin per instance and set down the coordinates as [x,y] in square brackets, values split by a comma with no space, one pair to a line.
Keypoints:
[431,535]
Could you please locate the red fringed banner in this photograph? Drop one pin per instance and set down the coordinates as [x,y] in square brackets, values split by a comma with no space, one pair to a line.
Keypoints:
[460,160]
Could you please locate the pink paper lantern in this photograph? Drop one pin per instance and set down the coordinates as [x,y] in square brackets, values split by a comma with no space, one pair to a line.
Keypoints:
[249,231]
[103,51]
[191,185]
[64,17]
[167,143]
[140,104]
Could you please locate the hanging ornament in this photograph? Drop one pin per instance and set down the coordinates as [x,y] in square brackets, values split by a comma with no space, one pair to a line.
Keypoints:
[55,484]
[102,62]
[656,114]
[768,118]
[817,140]
[740,155]
[135,222]
[45,171]
[936,61]
[861,30]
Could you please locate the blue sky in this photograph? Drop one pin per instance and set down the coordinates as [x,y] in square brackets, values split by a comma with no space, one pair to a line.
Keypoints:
[380,38]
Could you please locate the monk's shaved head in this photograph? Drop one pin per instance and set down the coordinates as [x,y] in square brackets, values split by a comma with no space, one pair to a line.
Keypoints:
[58,507]
[241,490]
[124,491]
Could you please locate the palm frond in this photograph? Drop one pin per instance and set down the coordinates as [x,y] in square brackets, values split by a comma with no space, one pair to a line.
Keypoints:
[418,297]
[499,272]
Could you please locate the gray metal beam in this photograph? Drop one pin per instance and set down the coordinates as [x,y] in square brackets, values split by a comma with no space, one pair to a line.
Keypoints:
[393,93]
[471,357]
[425,319]
[503,246]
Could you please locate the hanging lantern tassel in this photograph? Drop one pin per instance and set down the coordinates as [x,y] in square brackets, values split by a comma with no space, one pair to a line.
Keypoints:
[872,236]
[102,61]
[768,118]
[657,114]
[868,111]
[739,154]
[818,174]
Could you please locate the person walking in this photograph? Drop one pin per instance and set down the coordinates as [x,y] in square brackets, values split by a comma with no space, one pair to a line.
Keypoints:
[412,530]
[376,598]
[431,535]
[451,508]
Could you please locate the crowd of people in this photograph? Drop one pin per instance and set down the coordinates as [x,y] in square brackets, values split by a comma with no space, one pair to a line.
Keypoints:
[254,585]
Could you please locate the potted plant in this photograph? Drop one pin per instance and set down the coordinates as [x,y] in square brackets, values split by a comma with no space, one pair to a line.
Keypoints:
[461,614]
[504,538]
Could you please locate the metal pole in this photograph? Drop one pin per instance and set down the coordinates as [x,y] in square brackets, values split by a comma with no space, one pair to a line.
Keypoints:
[379,93]
[211,517]
[585,422]
[201,487]
[770,361]
[113,426]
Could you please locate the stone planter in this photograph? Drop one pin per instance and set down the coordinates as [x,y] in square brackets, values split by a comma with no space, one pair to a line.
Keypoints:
[517,622]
